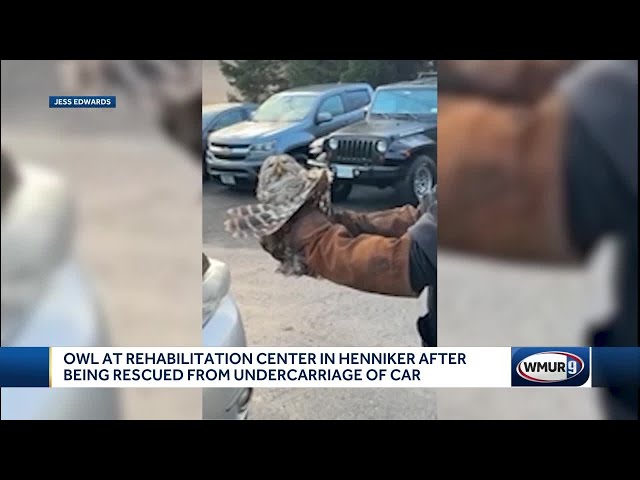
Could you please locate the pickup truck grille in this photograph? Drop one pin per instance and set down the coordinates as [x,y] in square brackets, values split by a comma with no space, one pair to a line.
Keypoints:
[229,152]
[355,151]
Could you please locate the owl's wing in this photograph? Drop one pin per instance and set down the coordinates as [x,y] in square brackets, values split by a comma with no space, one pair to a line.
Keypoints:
[258,220]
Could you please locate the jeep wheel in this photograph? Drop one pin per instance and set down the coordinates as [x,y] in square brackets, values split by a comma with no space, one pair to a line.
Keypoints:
[340,190]
[421,177]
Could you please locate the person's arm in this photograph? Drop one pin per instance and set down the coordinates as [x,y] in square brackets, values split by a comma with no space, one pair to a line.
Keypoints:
[505,80]
[371,263]
[501,184]
[540,183]
[389,223]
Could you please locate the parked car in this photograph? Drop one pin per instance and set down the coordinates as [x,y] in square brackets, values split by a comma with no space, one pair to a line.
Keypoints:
[221,327]
[285,123]
[221,115]
[47,297]
[395,145]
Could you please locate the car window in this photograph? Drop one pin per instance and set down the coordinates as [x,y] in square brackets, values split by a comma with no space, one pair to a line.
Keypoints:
[229,118]
[406,100]
[332,105]
[356,99]
[285,107]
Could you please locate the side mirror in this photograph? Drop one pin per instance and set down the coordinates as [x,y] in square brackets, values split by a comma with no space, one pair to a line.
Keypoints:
[324,117]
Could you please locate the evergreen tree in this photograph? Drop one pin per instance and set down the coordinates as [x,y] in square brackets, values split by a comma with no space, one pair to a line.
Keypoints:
[309,72]
[255,80]
[380,72]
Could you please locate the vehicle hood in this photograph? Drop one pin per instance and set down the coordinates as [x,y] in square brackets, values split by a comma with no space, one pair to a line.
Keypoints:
[37,234]
[216,283]
[250,132]
[384,128]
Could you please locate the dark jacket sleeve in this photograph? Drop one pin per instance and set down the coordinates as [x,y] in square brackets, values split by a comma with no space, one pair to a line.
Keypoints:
[423,253]
[602,150]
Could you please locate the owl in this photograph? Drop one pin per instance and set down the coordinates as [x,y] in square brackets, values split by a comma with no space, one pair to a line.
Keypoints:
[284,187]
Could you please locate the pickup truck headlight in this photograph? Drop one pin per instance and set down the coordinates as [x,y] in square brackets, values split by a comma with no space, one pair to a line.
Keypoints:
[264,147]
[333,143]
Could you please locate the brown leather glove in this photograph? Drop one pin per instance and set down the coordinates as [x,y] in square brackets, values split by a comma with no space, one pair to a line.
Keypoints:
[501,178]
[509,80]
[388,223]
[371,263]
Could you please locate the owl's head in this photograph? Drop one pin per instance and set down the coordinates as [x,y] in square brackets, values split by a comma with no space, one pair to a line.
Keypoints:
[278,173]
[280,165]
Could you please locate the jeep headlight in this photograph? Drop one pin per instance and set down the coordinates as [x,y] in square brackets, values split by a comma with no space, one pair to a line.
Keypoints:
[333,143]
[381,146]
[264,147]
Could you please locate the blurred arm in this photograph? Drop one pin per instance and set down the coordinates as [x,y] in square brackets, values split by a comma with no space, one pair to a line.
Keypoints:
[389,223]
[543,182]
[509,80]
[501,178]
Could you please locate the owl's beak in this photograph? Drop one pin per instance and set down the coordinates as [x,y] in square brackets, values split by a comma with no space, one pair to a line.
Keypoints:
[279,169]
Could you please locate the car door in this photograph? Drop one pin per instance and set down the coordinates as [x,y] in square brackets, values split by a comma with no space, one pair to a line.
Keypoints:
[334,106]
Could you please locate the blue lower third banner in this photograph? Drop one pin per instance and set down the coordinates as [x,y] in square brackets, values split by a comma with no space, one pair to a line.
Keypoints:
[319,367]
[82,101]
[615,366]
[24,367]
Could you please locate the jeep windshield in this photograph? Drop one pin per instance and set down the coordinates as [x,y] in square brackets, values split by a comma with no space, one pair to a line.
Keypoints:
[405,103]
[285,108]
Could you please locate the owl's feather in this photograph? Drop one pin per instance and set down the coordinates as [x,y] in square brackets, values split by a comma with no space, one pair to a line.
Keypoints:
[284,187]
[258,220]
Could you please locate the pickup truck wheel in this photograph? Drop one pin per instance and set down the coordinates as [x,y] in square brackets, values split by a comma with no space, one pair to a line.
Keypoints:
[421,177]
[340,190]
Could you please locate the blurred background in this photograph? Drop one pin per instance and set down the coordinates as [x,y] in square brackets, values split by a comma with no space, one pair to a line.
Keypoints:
[139,217]
[490,303]
[486,302]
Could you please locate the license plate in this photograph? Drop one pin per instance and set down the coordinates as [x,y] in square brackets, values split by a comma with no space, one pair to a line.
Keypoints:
[343,171]
[228,179]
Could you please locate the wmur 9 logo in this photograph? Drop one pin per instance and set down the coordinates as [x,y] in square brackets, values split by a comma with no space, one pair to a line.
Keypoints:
[542,367]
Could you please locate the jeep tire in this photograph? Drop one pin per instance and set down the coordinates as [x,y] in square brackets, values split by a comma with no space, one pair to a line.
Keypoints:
[421,177]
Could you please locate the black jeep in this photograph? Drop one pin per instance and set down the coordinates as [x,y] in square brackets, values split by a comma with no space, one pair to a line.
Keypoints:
[394,146]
